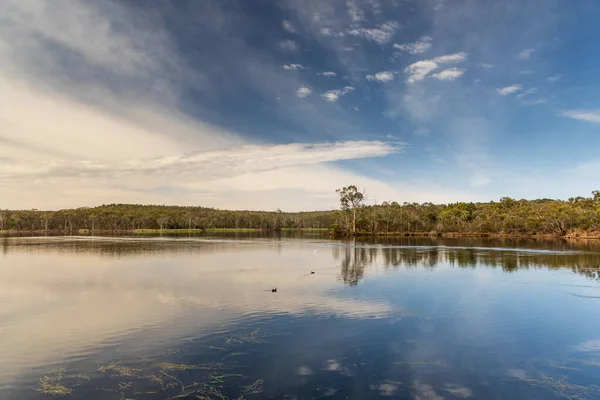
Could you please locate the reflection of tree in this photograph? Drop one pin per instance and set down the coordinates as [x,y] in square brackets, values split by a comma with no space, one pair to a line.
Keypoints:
[354,260]
[353,265]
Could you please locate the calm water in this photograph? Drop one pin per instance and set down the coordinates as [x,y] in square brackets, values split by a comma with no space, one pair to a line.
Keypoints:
[195,317]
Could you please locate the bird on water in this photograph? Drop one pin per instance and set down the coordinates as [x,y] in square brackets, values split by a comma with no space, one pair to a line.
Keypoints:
[274,290]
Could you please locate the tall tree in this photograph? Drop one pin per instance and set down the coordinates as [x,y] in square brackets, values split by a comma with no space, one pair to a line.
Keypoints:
[351,199]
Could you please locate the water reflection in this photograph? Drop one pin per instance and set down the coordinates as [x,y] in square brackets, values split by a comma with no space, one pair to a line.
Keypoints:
[408,318]
[354,258]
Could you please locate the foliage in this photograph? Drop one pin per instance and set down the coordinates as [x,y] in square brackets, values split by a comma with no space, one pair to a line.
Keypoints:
[507,216]
[350,201]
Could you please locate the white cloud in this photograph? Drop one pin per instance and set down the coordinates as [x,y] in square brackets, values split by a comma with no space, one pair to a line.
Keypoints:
[293,67]
[287,25]
[288,45]
[303,92]
[525,54]
[419,70]
[381,35]
[449,74]
[505,91]
[418,47]
[354,10]
[554,78]
[527,93]
[203,165]
[330,32]
[534,102]
[451,58]
[384,76]
[328,73]
[592,116]
[334,95]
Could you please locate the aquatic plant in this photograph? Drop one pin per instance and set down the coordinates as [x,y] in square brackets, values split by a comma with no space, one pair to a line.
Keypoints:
[50,384]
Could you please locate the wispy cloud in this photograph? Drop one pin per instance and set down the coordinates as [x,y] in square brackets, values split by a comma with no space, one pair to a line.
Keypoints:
[484,65]
[554,78]
[288,45]
[592,116]
[419,70]
[527,93]
[449,74]
[525,54]
[287,25]
[293,67]
[208,165]
[331,32]
[534,102]
[303,92]
[505,91]
[418,47]
[451,58]
[334,95]
[384,76]
[355,11]
[381,35]
[328,73]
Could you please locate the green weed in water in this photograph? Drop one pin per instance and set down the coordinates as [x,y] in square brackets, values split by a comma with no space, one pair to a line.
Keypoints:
[119,370]
[255,388]
[50,385]
[177,367]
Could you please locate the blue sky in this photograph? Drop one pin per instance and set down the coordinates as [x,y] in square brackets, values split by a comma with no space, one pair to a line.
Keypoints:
[275,104]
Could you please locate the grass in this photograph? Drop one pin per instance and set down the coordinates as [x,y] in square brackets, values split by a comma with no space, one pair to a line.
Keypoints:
[2,231]
[119,370]
[84,231]
[185,230]
[50,385]
[306,229]
[233,230]
[195,230]
[254,388]
[167,378]
[177,367]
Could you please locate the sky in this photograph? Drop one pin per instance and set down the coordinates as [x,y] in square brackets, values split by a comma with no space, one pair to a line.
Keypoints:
[276,104]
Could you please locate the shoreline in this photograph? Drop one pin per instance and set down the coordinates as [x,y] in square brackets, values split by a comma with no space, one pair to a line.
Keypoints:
[325,231]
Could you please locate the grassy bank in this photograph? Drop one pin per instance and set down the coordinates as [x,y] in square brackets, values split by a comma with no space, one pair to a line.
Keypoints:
[568,235]
[156,231]
[194,230]
[233,230]
[306,229]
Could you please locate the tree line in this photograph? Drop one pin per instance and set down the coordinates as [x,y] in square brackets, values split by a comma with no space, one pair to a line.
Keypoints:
[506,216]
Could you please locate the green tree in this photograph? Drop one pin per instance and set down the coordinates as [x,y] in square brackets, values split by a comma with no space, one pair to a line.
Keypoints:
[351,200]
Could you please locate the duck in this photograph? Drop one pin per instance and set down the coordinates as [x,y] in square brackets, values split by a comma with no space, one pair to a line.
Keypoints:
[274,290]
[312,272]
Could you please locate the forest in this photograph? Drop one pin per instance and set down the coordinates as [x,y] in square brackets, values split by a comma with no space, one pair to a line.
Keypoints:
[578,216]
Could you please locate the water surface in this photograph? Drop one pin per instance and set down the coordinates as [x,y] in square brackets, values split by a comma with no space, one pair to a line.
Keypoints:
[195,317]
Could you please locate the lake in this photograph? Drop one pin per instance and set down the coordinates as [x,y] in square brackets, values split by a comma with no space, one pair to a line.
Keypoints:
[195,317]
